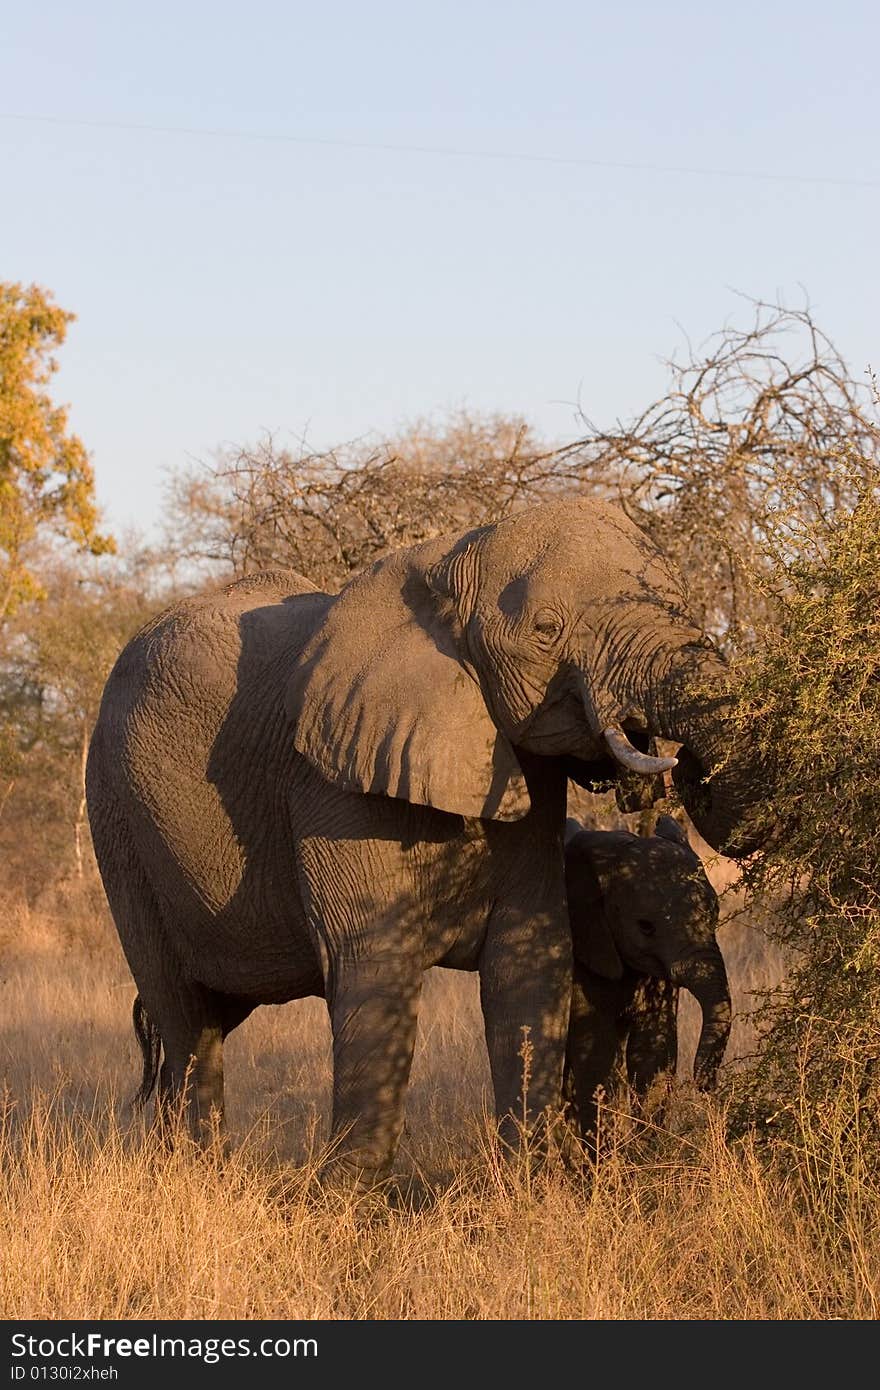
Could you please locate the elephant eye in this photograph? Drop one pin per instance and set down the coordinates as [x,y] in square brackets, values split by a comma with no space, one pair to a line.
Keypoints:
[646,927]
[547,623]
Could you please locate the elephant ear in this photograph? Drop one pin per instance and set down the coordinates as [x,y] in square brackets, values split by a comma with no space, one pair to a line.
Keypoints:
[382,702]
[601,955]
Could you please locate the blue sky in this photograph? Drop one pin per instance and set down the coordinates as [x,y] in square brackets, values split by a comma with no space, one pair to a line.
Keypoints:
[225,286]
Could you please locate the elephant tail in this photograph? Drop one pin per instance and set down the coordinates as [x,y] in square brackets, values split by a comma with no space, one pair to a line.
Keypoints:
[150,1042]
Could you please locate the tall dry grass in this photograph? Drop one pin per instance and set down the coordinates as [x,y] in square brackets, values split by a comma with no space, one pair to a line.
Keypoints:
[95,1221]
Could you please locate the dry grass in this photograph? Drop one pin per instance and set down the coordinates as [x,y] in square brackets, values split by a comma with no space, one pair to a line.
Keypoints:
[95,1222]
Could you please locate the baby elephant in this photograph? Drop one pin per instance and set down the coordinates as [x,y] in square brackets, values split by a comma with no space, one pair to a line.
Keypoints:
[643,918]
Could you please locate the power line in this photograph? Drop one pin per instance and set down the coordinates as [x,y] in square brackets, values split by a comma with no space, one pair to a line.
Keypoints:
[441,151]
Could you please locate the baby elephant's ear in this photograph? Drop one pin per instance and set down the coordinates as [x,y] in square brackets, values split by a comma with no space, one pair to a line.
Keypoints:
[585,885]
[601,954]
[381,701]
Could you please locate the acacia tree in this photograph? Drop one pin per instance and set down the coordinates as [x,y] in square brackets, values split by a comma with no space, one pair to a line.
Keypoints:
[763,417]
[331,513]
[46,480]
[759,471]
[811,692]
[757,412]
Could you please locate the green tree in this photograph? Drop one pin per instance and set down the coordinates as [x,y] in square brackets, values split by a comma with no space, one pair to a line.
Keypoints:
[46,480]
[811,691]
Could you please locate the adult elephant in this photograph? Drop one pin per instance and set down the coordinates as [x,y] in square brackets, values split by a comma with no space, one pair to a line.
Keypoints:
[643,920]
[294,793]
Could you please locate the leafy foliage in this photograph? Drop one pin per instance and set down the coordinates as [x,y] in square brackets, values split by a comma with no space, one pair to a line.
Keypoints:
[46,479]
[58,654]
[812,688]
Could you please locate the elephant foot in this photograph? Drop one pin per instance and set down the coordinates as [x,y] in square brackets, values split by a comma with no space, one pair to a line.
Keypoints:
[349,1178]
[574,1150]
[172,1130]
[533,1151]
[539,1136]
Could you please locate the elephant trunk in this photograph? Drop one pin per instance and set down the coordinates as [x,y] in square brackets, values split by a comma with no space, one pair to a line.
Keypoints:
[706,978]
[719,776]
[719,803]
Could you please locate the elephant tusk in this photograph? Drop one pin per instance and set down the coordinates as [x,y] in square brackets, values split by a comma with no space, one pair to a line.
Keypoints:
[623,752]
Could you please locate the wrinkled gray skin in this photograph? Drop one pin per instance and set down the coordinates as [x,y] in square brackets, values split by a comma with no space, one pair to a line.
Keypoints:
[292,793]
[643,921]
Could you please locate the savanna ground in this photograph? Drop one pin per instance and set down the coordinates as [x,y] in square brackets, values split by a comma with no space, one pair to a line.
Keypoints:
[676,1222]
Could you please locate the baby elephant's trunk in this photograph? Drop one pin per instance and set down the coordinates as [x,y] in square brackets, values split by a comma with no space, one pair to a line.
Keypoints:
[706,978]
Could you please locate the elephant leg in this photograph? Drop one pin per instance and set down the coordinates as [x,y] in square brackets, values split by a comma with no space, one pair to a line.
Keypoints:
[374,1013]
[190,1088]
[187,1015]
[594,1049]
[366,921]
[234,1011]
[652,1042]
[525,989]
